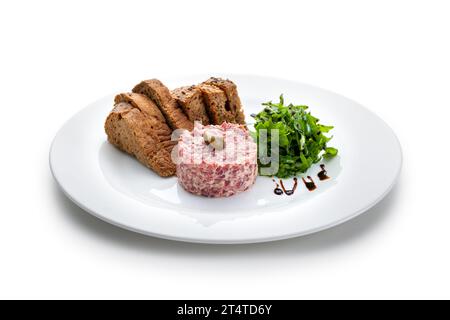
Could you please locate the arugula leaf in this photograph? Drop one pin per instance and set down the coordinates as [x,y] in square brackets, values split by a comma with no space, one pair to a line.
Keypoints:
[301,137]
[330,152]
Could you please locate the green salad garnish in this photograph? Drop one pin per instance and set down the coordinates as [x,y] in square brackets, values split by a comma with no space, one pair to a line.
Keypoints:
[302,140]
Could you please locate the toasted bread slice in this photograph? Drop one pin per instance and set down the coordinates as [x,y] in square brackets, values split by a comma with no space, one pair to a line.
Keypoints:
[136,126]
[160,94]
[190,99]
[216,104]
[234,105]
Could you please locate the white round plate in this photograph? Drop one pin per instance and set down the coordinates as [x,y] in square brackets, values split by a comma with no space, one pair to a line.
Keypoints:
[115,187]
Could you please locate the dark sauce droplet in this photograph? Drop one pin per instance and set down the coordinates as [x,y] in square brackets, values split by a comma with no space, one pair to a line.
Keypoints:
[323,174]
[277,189]
[289,192]
[310,185]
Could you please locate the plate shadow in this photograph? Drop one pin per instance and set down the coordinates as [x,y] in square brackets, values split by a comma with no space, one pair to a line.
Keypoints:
[321,241]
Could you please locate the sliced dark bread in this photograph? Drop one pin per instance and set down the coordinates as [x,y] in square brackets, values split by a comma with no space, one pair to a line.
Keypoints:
[233,105]
[160,94]
[216,102]
[136,126]
[190,99]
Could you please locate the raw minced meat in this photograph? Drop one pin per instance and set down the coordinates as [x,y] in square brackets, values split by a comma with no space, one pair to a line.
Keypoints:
[203,169]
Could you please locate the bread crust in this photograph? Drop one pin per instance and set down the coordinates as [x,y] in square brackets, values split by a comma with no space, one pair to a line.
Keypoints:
[215,101]
[233,100]
[190,99]
[160,94]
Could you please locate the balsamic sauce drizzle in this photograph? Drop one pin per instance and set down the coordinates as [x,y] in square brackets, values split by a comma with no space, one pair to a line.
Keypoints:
[310,185]
[289,192]
[283,189]
[323,174]
[277,189]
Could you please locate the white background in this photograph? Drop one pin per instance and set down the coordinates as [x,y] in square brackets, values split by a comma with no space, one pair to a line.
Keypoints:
[58,56]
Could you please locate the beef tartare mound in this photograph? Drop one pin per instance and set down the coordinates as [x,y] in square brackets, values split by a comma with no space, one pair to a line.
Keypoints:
[216,160]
